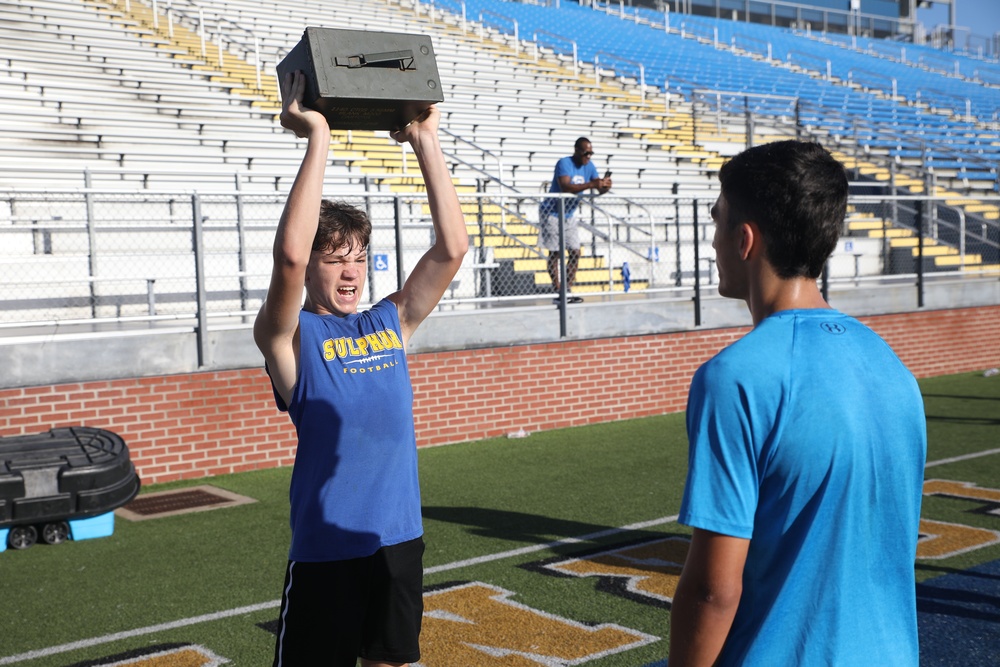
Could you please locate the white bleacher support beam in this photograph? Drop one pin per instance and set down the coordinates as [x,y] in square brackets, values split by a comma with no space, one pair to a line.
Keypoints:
[201,31]
[256,59]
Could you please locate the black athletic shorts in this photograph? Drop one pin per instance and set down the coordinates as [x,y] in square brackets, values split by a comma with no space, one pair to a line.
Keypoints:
[334,612]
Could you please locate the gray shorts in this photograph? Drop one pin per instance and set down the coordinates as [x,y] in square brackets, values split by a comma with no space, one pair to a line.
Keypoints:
[548,232]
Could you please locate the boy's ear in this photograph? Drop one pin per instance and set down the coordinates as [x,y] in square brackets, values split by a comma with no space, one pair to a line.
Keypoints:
[749,239]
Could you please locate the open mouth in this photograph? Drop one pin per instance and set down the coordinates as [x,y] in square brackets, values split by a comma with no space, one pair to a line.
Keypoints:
[347,291]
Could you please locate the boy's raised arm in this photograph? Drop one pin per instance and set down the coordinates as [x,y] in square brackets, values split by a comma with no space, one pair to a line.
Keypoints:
[434,271]
[276,325]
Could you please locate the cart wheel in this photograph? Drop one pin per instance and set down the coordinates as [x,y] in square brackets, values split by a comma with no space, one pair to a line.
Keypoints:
[22,537]
[56,532]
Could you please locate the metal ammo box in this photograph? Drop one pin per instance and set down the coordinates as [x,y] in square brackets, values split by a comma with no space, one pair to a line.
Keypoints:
[363,80]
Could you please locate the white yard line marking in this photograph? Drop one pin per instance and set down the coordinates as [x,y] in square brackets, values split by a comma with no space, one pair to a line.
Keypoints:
[86,643]
[964,457]
[152,629]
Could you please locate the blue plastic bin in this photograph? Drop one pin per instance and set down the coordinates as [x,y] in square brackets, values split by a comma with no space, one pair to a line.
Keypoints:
[98,526]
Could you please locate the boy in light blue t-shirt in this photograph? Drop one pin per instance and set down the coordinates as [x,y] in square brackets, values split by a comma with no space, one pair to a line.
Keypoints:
[807,447]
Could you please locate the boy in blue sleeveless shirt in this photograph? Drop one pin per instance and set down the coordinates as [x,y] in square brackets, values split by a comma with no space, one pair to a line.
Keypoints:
[807,447]
[353,584]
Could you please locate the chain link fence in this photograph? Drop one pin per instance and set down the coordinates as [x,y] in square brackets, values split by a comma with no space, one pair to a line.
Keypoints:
[91,256]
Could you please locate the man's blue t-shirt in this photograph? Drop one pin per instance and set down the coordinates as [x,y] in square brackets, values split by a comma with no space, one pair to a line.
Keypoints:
[808,438]
[577,176]
[354,485]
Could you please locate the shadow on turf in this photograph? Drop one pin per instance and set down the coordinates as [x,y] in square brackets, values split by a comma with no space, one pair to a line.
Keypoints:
[963,397]
[952,570]
[951,602]
[978,421]
[960,592]
[522,527]
[958,614]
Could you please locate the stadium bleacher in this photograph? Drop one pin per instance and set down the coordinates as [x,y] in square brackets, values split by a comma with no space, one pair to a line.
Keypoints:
[110,94]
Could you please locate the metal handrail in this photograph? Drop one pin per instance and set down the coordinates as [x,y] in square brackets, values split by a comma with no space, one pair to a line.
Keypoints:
[484,151]
[746,38]
[498,178]
[460,4]
[809,56]
[629,225]
[883,50]
[534,38]
[717,92]
[942,94]
[613,57]
[198,19]
[877,75]
[482,24]
[684,29]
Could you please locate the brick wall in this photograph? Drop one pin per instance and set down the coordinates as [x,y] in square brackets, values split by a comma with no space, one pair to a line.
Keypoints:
[204,424]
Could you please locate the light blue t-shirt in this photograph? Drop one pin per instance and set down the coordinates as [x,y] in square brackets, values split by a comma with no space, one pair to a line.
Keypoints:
[354,485]
[808,438]
[577,175]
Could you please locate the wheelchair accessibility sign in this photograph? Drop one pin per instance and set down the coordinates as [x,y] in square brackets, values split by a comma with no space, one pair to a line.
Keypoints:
[381,262]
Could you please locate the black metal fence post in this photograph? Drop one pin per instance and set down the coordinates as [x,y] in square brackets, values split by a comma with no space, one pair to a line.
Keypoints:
[562,268]
[241,247]
[697,269]
[919,222]
[798,119]
[198,241]
[398,215]
[677,226]
[91,243]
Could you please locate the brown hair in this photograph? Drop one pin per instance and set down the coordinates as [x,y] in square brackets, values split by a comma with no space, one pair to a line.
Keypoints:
[341,223]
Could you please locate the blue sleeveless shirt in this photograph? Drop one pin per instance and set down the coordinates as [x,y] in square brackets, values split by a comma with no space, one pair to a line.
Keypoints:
[354,485]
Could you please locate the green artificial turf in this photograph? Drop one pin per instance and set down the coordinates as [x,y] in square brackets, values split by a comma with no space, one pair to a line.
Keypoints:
[480,499]
[963,417]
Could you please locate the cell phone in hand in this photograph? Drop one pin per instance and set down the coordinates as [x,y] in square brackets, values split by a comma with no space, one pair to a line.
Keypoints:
[607,174]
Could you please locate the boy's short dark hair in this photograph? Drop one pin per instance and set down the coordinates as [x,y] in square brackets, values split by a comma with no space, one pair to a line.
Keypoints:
[341,223]
[796,193]
[580,142]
